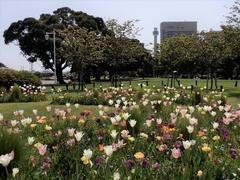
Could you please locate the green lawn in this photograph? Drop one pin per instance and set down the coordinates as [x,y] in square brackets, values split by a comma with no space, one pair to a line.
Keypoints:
[230,91]
[233,94]
[7,109]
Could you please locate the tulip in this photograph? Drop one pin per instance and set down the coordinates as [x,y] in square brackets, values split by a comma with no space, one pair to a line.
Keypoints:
[139,155]
[176,153]
[108,150]
[199,173]
[116,176]
[190,129]
[132,122]
[114,134]
[186,144]
[42,149]
[15,171]
[1,117]
[31,140]
[71,132]
[6,159]
[79,135]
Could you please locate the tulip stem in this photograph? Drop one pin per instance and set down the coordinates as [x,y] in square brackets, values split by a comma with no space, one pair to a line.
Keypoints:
[6,171]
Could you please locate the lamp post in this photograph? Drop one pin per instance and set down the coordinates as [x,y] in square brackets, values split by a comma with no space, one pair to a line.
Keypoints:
[54,53]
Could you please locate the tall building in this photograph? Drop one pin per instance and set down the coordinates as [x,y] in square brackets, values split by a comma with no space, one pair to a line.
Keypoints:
[170,29]
[155,35]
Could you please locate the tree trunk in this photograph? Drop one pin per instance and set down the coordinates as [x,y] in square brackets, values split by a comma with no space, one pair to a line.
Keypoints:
[87,78]
[97,76]
[81,82]
[60,74]
[211,75]
[207,80]
[215,79]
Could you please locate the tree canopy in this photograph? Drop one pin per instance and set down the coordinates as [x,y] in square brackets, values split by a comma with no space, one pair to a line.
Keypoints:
[30,35]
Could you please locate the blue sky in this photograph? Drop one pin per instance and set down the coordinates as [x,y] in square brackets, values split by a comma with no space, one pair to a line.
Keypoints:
[209,14]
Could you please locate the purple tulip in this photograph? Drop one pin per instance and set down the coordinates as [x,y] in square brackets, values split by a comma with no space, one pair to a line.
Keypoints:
[234,153]
[99,160]
[178,144]
[156,166]
[129,164]
[45,165]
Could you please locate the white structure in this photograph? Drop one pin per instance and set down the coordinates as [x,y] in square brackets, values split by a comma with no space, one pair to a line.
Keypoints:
[155,35]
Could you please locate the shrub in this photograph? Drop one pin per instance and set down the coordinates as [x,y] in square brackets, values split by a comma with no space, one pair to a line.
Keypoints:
[10,77]
[22,94]
[15,94]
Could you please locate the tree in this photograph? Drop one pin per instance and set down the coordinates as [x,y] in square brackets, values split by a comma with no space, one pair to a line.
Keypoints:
[232,37]
[179,54]
[2,65]
[233,19]
[82,48]
[123,52]
[30,35]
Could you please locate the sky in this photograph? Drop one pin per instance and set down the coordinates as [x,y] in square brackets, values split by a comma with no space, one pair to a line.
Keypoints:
[209,14]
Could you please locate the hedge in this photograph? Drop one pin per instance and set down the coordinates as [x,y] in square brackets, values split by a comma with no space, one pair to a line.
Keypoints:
[10,77]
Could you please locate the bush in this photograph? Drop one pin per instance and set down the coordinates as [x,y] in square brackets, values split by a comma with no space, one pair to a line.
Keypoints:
[10,77]
[22,94]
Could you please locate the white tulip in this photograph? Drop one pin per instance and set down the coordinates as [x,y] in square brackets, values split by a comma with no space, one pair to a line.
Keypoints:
[116,176]
[186,144]
[31,140]
[108,150]
[190,129]
[215,125]
[14,123]
[76,105]
[213,113]
[68,104]
[114,134]
[191,109]
[110,102]
[15,171]
[6,159]
[193,142]
[132,122]
[78,135]
[1,117]
[87,153]
[193,121]
[221,108]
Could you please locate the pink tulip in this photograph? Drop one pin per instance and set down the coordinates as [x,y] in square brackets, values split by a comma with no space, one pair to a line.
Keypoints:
[42,149]
[71,132]
[226,121]
[149,123]
[176,153]
[71,142]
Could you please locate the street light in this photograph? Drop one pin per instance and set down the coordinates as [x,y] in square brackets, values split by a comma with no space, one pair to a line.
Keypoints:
[54,53]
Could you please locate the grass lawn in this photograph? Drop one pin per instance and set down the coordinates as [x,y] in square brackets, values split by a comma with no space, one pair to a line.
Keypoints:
[233,94]
[7,109]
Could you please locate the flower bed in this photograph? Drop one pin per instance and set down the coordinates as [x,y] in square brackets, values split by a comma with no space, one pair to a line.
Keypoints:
[150,138]
[25,93]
